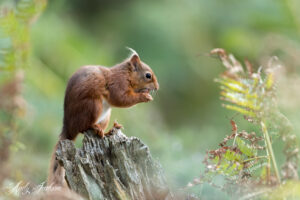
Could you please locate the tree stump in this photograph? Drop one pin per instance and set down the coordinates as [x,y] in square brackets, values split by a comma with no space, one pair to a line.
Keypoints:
[114,167]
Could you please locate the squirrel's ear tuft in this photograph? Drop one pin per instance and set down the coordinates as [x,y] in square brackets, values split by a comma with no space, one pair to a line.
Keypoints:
[134,58]
[132,51]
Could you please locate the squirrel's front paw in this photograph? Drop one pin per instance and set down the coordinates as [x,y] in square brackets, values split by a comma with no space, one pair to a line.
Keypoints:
[146,97]
[113,129]
[117,125]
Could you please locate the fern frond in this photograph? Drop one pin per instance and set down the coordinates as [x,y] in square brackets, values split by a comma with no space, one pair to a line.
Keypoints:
[245,148]
[238,160]
[28,10]
[247,93]
[240,110]
[254,96]
[14,33]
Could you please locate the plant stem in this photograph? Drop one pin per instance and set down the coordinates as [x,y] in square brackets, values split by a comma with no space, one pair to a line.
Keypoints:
[270,149]
[255,158]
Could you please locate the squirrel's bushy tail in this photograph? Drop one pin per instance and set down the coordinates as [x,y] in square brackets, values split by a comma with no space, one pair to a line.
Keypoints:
[56,175]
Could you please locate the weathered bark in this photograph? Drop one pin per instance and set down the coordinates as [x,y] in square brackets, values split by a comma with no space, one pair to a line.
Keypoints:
[115,167]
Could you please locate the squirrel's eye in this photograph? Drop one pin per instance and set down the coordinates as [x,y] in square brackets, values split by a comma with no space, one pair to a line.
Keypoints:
[148,75]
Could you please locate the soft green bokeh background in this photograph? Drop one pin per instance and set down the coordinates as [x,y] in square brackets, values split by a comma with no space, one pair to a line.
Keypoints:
[174,37]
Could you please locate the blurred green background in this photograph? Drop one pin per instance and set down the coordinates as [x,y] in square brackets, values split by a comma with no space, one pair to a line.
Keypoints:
[174,37]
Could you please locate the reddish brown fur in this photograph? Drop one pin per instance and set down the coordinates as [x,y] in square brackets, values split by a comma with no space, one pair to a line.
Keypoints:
[123,85]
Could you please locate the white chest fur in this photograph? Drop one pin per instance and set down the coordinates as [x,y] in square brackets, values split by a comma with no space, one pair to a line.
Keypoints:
[106,109]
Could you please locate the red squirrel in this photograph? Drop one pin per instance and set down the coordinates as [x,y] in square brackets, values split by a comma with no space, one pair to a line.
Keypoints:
[90,94]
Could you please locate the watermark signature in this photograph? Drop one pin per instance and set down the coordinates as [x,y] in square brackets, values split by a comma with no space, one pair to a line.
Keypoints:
[23,189]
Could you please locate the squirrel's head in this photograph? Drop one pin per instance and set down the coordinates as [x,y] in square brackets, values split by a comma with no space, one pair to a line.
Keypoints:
[142,78]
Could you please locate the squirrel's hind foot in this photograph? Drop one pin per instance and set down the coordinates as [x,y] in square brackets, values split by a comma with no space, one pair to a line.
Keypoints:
[98,130]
